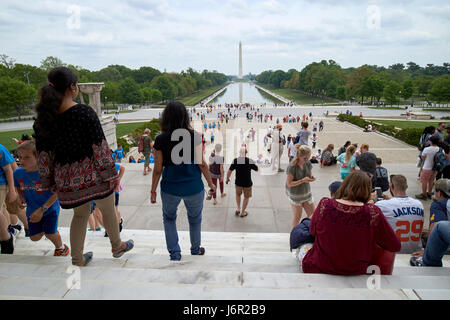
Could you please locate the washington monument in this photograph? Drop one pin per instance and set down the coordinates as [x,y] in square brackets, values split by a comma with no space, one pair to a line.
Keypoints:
[240,60]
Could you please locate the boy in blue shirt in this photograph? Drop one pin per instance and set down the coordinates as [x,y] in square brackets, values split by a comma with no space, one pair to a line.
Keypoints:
[119,153]
[7,192]
[42,205]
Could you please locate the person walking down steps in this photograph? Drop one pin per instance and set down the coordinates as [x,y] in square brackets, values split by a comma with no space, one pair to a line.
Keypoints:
[74,159]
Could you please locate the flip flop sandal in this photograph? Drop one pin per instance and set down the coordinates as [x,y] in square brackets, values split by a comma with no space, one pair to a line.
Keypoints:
[246,214]
[237,213]
[129,246]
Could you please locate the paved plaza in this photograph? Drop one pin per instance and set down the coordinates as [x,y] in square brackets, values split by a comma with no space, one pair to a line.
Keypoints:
[269,209]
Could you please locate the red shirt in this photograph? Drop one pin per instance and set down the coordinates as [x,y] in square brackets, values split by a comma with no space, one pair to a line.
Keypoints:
[345,237]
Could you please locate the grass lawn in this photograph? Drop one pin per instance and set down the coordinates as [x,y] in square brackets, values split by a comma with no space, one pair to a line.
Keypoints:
[193,99]
[387,108]
[437,109]
[6,137]
[296,96]
[125,128]
[121,111]
[407,124]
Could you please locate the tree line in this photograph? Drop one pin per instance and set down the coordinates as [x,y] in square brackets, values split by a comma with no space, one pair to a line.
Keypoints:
[367,82]
[19,83]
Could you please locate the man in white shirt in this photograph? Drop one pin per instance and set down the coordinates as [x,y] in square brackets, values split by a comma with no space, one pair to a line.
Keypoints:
[291,148]
[427,175]
[404,214]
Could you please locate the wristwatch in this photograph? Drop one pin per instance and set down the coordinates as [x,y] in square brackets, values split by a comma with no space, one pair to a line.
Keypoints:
[44,208]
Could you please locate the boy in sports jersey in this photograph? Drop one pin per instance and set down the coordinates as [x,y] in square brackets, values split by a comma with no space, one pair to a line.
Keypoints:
[404,214]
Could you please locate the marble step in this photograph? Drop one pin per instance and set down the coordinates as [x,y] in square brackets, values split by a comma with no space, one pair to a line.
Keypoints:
[211,256]
[48,288]
[201,263]
[226,278]
[40,281]
[206,235]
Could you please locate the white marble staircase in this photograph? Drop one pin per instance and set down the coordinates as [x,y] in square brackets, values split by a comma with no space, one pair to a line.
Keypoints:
[236,266]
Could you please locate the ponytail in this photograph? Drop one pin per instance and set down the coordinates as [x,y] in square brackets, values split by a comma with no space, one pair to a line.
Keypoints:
[349,152]
[50,99]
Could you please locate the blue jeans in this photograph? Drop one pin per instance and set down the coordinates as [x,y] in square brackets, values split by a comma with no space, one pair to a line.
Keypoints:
[437,244]
[194,206]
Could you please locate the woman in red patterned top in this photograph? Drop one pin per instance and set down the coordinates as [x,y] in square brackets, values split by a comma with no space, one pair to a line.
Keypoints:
[347,229]
[75,160]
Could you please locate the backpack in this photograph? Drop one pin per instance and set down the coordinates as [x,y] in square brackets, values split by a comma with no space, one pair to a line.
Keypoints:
[141,144]
[215,167]
[439,161]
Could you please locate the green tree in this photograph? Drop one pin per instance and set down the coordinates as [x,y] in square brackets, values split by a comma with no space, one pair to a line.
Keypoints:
[109,73]
[51,62]
[440,89]
[391,92]
[156,95]
[146,95]
[110,93]
[355,81]
[15,97]
[423,84]
[341,93]
[407,89]
[277,77]
[27,73]
[6,61]
[145,74]
[129,91]
[165,86]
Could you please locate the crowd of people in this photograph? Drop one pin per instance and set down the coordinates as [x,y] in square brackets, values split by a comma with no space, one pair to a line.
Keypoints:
[68,164]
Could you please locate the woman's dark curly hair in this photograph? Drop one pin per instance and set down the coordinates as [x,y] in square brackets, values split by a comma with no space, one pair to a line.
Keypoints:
[50,98]
[175,116]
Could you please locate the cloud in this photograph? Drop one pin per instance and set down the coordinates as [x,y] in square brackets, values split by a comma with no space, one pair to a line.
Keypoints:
[179,34]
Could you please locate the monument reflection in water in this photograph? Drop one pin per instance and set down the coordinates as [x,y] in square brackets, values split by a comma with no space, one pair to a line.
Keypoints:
[244,92]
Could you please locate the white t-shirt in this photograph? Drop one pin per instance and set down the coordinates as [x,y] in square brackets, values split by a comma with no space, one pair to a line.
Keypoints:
[405,216]
[292,151]
[429,152]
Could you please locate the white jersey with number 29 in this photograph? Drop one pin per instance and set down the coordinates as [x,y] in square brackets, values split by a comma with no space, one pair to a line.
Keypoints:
[405,216]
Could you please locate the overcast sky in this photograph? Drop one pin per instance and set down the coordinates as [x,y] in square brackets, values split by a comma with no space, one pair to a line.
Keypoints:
[205,34]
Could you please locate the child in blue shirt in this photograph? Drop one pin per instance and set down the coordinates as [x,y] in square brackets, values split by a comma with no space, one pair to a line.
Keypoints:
[7,192]
[119,153]
[42,205]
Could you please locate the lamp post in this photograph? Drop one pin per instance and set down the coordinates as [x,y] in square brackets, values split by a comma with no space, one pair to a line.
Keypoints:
[26,73]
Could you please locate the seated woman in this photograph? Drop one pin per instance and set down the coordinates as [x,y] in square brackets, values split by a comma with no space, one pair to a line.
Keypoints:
[347,231]
[131,159]
[327,158]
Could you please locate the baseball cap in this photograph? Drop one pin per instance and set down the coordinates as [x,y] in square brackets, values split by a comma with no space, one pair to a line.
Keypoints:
[334,186]
[443,185]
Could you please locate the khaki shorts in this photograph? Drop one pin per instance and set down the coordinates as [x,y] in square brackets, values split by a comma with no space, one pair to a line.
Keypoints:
[3,192]
[13,207]
[247,191]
